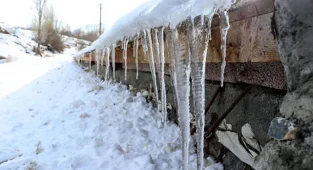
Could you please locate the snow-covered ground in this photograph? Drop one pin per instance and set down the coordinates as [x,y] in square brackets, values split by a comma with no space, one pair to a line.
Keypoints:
[55,116]
[74,42]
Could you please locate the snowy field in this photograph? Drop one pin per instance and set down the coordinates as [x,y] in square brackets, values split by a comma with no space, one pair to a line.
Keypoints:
[55,116]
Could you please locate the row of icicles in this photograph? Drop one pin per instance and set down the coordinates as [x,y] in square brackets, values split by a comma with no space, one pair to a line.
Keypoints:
[181,69]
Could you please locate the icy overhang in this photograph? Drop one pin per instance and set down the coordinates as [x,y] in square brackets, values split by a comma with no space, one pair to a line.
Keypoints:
[155,13]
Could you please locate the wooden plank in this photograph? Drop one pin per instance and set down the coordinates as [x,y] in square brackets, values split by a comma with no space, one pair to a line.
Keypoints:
[244,9]
[248,40]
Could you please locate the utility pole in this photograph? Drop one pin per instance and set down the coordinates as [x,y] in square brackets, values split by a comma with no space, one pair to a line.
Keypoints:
[100,19]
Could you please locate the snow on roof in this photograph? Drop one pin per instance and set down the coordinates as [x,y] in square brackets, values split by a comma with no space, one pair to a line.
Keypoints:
[155,13]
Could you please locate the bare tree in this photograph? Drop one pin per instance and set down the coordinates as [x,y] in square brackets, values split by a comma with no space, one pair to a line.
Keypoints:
[39,7]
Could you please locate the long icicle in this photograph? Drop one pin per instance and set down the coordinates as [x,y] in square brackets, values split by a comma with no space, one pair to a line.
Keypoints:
[210,17]
[125,43]
[202,19]
[195,37]
[157,63]
[90,61]
[152,65]
[170,53]
[157,52]
[224,26]
[107,64]
[170,49]
[113,60]
[136,54]
[182,73]
[102,57]
[134,46]
[97,60]
[162,62]
[144,45]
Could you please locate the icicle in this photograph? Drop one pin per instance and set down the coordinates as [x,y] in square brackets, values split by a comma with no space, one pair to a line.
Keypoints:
[113,60]
[136,54]
[90,61]
[124,46]
[224,26]
[161,73]
[182,77]
[195,37]
[152,66]
[102,58]
[134,45]
[157,52]
[210,21]
[97,60]
[170,52]
[144,44]
[157,61]
[202,19]
[107,63]
[170,49]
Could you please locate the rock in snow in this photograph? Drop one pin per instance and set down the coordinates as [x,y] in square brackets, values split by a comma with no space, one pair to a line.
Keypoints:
[244,146]
[282,129]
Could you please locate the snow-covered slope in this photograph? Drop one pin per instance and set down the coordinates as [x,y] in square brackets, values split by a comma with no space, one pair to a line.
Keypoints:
[22,33]
[12,46]
[20,42]
[74,42]
[56,116]
[17,45]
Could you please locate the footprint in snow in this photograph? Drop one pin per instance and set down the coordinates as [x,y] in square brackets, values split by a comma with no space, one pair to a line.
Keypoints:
[78,104]
[9,154]
[85,115]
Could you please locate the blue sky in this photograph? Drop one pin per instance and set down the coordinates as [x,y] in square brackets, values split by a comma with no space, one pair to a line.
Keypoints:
[76,13]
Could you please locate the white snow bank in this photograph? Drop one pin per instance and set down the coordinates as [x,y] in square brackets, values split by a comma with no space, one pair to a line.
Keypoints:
[28,34]
[7,27]
[155,13]
[60,117]
[18,45]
